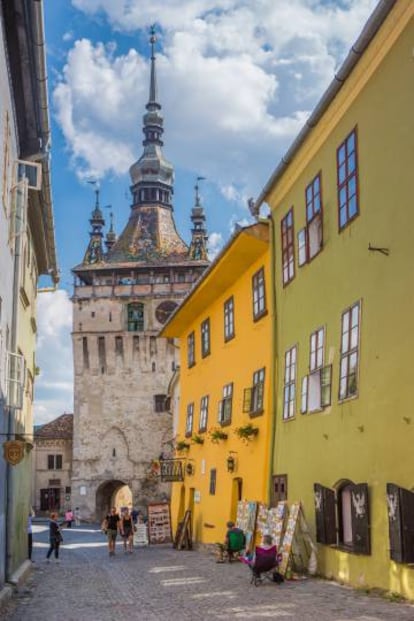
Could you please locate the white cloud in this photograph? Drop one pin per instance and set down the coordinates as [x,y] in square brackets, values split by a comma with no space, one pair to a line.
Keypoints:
[215,244]
[54,385]
[68,36]
[237,82]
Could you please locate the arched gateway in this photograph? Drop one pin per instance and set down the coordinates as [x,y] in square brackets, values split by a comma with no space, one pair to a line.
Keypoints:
[112,494]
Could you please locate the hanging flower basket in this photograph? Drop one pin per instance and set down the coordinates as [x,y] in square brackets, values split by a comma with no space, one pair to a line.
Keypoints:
[182,445]
[197,439]
[216,434]
[247,432]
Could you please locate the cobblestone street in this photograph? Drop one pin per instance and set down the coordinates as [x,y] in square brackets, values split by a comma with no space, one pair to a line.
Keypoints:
[158,583]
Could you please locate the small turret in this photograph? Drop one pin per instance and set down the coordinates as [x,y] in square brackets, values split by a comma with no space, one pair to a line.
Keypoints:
[199,237]
[111,235]
[94,252]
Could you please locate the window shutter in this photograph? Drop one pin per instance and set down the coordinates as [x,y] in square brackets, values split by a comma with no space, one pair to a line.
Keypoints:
[220,411]
[407,520]
[360,518]
[304,395]
[302,243]
[394,522]
[325,514]
[326,382]
[247,399]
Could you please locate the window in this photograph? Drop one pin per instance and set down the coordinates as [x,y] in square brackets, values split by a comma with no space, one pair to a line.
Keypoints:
[279,488]
[400,503]
[229,319]
[259,294]
[205,338]
[288,249]
[347,176]
[67,490]
[102,353]
[348,527]
[253,396]
[318,384]
[161,403]
[189,420]
[54,462]
[225,405]
[203,413]
[213,478]
[348,374]
[135,317]
[289,390]
[191,350]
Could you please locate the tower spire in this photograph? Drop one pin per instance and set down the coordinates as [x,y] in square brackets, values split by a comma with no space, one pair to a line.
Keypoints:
[153,91]
[94,251]
[199,237]
[111,235]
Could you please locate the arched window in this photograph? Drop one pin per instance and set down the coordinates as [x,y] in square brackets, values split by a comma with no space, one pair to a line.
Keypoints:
[135,317]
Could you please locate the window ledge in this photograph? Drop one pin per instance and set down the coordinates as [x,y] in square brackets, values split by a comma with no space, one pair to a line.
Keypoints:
[288,420]
[346,399]
[226,423]
[260,315]
[256,413]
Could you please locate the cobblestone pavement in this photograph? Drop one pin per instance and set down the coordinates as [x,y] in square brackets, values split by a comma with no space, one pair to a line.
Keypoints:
[158,583]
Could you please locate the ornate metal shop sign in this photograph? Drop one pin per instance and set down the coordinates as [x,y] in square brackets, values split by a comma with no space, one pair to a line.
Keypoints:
[13,451]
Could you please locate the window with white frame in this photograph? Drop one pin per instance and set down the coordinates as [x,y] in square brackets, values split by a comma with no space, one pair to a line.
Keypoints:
[203,413]
[225,405]
[316,387]
[229,319]
[348,371]
[189,420]
[259,294]
[288,248]
[289,389]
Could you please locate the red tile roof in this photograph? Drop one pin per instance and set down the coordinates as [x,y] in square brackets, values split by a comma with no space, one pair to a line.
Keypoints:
[61,427]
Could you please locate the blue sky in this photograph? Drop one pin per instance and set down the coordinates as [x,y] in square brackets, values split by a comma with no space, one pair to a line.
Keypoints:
[237,80]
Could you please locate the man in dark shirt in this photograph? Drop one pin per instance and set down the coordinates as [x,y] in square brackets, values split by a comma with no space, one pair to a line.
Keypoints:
[112,528]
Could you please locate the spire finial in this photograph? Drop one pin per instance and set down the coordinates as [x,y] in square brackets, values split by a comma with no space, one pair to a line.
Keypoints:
[197,187]
[153,80]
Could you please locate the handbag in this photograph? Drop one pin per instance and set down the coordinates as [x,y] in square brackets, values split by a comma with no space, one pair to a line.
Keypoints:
[59,537]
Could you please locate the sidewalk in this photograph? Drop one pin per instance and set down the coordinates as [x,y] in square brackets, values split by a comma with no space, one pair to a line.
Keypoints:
[158,583]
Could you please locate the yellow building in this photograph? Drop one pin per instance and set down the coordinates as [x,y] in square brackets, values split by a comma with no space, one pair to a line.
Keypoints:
[224,330]
[342,209]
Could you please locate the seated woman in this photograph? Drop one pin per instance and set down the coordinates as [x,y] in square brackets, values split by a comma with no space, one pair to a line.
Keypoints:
[265,558]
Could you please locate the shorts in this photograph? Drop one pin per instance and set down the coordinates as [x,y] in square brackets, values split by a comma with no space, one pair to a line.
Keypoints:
[127,533]
[111,534]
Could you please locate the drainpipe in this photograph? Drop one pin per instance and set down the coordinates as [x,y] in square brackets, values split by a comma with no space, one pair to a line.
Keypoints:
[274,359]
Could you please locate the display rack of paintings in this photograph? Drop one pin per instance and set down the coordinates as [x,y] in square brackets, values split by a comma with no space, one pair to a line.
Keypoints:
[285,564]
[276,517]
[246,520]
[262,518]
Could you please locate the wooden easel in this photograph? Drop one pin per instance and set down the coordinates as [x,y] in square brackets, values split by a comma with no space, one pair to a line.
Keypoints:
[183,537]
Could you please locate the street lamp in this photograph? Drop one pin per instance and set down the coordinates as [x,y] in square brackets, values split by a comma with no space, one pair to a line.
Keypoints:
[231,462]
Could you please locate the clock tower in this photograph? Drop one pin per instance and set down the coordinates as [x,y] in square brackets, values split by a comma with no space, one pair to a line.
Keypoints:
[121,299]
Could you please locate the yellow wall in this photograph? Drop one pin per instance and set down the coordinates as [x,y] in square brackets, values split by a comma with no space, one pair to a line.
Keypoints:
[368,438]
[234,361]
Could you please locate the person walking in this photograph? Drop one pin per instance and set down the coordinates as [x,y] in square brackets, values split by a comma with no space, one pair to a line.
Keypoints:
[111,526]
[55,537]
[127,531]
[69,518]
[30,534]
[77,516]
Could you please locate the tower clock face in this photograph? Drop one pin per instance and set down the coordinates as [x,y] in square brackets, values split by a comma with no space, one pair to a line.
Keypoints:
[164,310]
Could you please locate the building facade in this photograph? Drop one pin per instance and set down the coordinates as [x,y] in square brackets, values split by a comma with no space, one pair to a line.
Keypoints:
[341,206]
[225,412]
[123,295]
[27,250]
[52,466]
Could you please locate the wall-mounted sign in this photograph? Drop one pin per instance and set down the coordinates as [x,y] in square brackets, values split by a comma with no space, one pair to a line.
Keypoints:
[197,496]
[13,451]
[82,490]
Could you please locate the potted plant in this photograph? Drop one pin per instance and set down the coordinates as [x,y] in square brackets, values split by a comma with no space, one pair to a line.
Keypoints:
[246,432]
[216,434]
[182,445]
[197,439]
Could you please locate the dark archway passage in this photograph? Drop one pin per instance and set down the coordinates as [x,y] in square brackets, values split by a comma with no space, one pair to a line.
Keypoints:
[112,494]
